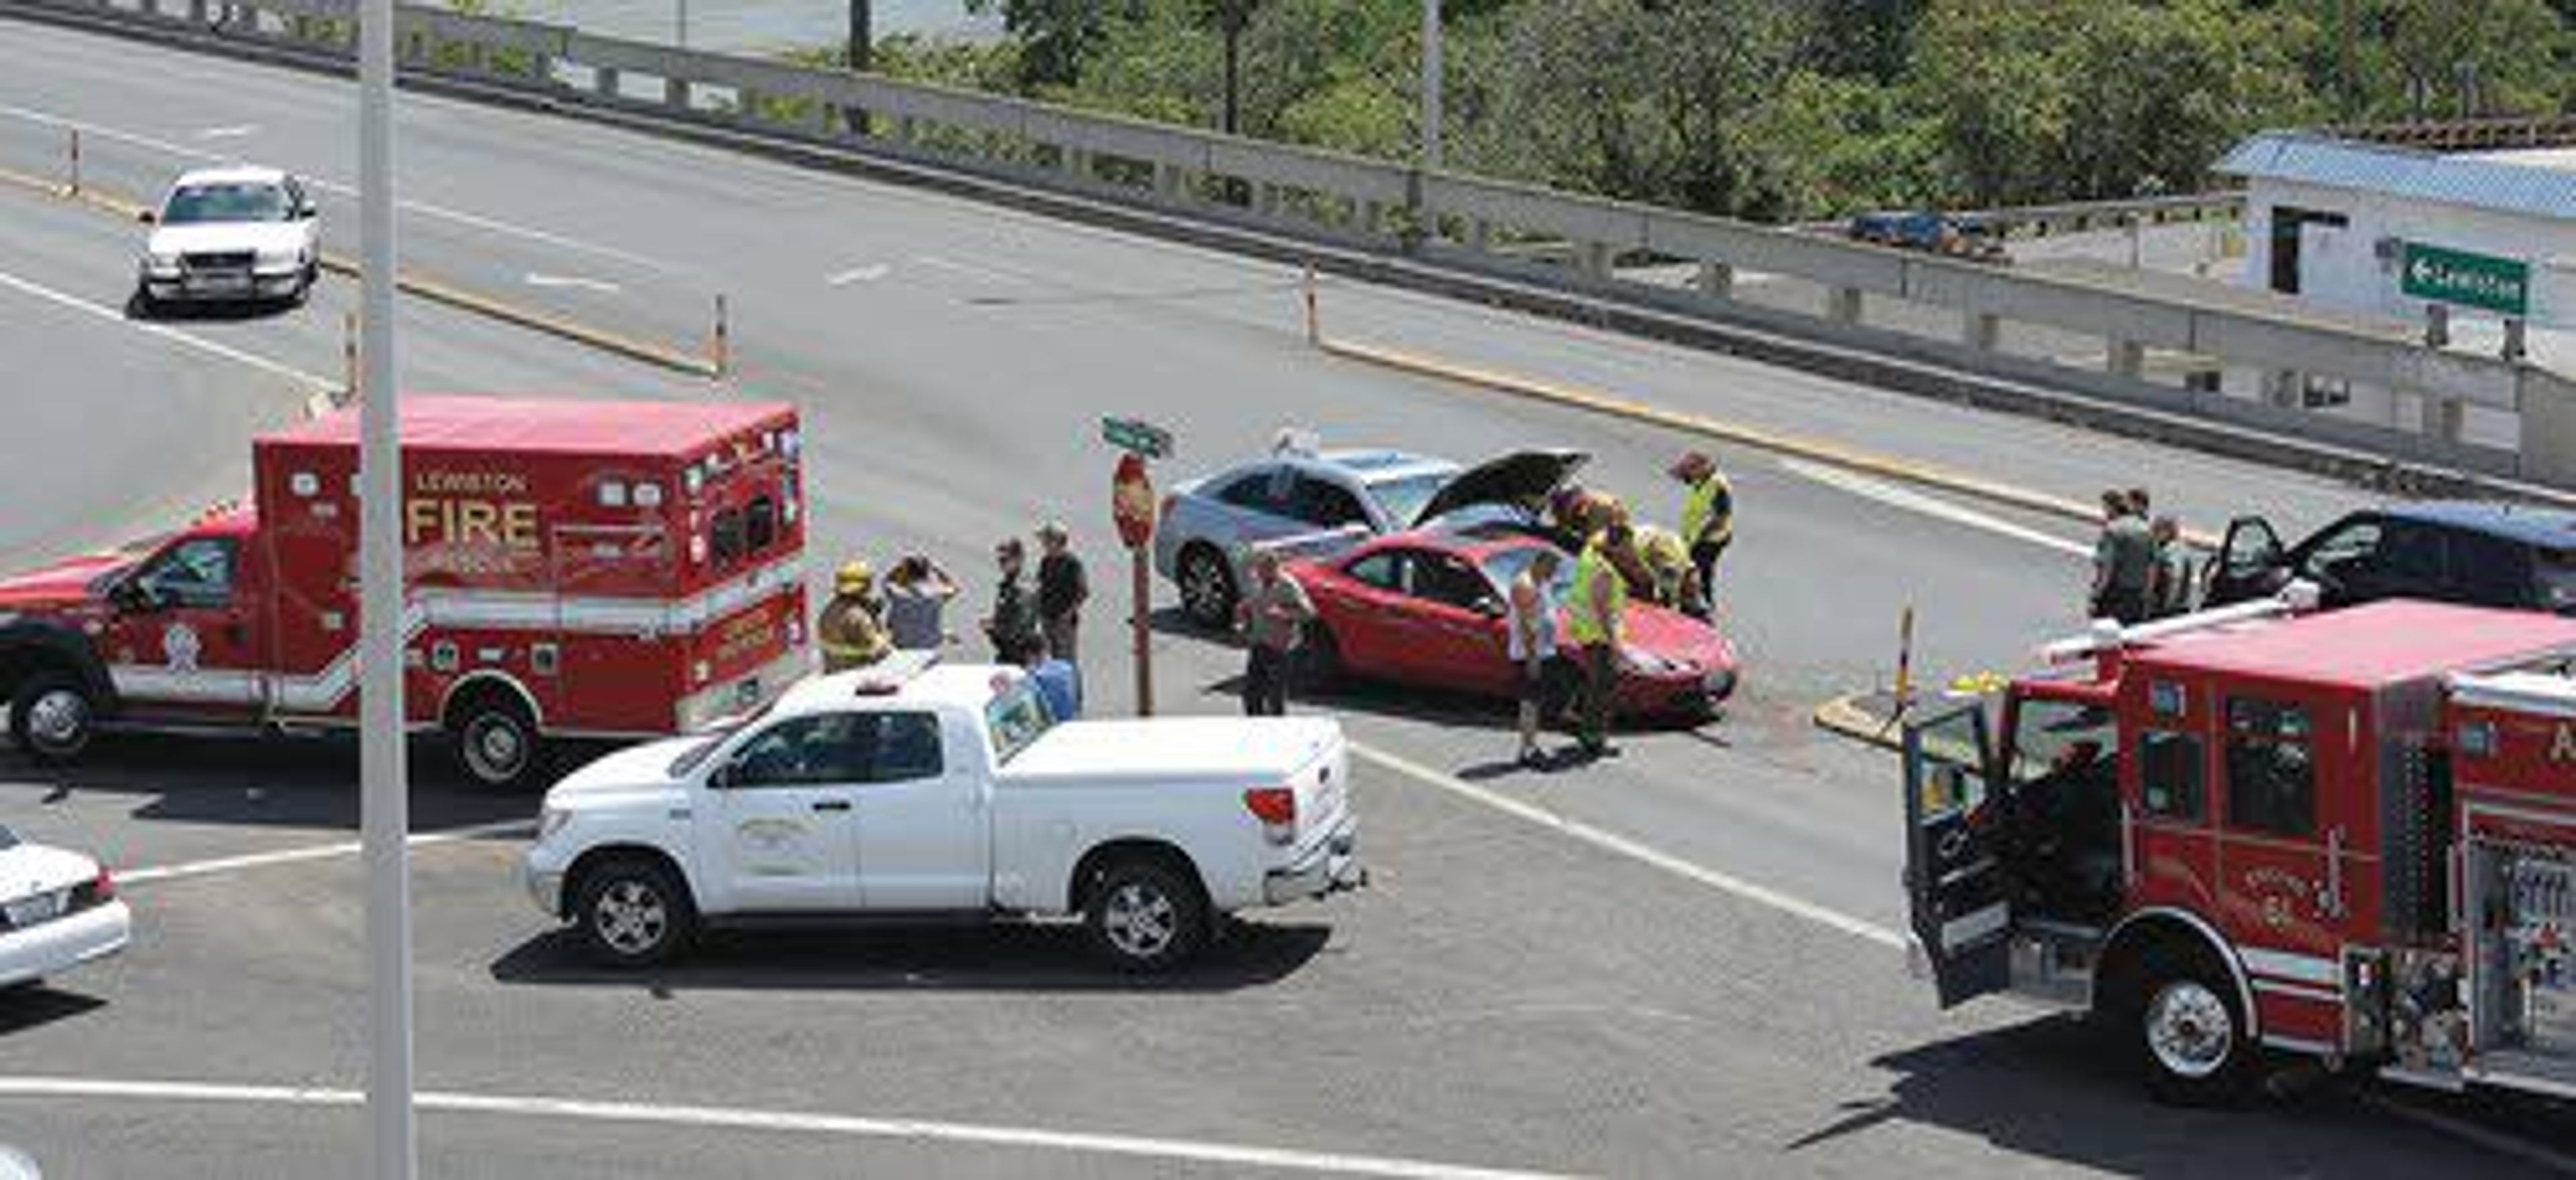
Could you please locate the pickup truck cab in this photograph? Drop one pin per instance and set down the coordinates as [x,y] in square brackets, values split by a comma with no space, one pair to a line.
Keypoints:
[926,790]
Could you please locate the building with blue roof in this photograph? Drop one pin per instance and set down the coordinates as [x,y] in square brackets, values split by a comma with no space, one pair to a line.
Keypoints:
[2480,247]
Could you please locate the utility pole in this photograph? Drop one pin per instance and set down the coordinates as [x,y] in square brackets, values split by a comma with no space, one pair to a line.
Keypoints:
[680,23]
[862,51]
[384,793]
[1431,83]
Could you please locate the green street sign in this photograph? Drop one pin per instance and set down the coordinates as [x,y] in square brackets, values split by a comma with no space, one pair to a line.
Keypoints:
[2483,281]
[1137,437]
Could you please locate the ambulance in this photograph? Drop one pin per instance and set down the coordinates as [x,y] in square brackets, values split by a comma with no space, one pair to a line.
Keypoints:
[572,569]
[2263,831]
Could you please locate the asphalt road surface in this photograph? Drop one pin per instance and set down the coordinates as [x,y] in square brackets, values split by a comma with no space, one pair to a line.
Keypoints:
[1678,962]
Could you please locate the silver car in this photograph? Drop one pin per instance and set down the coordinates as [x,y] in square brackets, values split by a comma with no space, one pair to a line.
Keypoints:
[1307,502]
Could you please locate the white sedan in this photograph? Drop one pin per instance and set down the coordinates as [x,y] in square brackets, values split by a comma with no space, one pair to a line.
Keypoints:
[235,234]
[58,910]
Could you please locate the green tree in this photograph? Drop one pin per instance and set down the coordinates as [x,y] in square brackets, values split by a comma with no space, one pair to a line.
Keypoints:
[1057,38]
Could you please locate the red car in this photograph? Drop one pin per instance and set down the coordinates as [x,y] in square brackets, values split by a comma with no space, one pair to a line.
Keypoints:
[1427,608]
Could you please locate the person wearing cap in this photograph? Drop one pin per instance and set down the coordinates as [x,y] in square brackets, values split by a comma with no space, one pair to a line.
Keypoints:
[1013,625]
[1708,524]
[1062,589]
[852,628]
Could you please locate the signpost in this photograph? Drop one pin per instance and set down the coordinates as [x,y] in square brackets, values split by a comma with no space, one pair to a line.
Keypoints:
[2483,281]
[1132,506]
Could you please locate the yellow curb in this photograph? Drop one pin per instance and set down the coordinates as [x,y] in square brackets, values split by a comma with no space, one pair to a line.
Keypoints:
[429,289]
[1833,454]
[1840,717]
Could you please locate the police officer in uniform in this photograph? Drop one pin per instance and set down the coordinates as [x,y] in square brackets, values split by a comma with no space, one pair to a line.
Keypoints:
[852,628]
[1708,523]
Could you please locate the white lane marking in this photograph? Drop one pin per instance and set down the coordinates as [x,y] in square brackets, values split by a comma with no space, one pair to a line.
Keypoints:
[165,332]
[573,282]
[741,1119]
[1609,841]
[976,270]
[1914,501]
[338,188]
[238,131]
[313,852]
[859,274]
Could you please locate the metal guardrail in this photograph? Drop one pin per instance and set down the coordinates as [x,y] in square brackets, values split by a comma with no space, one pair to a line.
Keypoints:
[1476,224]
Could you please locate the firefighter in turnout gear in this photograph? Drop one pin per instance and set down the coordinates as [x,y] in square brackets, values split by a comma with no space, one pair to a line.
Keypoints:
[852,629]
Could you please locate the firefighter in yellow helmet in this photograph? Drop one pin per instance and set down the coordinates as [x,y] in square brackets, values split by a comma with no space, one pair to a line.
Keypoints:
[852,629]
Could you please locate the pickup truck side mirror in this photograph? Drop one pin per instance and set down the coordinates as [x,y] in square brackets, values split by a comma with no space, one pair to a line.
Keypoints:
[722,777]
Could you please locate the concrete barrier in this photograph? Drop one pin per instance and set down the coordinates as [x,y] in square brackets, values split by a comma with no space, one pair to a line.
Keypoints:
[1483,226]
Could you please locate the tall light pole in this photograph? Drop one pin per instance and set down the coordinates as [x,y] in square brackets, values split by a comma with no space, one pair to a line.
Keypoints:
[385,796]
[1430,83]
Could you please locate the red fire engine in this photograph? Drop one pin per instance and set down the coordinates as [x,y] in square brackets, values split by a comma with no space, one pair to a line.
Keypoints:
[2349,836]
[571,569]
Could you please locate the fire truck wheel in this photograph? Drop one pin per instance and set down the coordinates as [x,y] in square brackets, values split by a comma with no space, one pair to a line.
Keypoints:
[52,717]
[496,742]
[2188,1033]
[633,913]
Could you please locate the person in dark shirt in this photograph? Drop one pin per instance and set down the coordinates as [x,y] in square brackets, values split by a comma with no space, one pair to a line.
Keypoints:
[1013,625]
[1062,590]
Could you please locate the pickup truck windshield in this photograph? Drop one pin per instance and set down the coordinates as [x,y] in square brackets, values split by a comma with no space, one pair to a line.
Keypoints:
[1015,719]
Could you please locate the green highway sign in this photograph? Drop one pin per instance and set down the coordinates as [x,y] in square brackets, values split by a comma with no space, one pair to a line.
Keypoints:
[2483,281]
[1137,437]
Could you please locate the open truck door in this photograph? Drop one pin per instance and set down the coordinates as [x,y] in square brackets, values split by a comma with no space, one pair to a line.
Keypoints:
[1954,874]
[2251,563]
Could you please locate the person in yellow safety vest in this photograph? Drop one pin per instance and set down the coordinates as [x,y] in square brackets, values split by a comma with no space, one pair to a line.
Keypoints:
[1596,624]
[1708,523]
[852,628]
[1665,560]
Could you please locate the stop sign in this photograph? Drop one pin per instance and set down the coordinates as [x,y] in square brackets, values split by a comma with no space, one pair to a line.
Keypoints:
[1131,501]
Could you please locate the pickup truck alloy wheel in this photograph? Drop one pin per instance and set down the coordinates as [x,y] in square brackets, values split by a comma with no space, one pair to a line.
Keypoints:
[1207,588]
[1144,917]
[632,915]
[52,719]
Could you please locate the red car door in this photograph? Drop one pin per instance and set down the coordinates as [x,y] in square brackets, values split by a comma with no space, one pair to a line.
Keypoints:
[1362,606]
[1459,637]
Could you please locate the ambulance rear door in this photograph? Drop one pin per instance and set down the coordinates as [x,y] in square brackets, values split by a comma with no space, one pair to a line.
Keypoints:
[612,660]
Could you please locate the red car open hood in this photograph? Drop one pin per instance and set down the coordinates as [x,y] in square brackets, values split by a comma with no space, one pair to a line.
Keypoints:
[63,584]
[1675,636]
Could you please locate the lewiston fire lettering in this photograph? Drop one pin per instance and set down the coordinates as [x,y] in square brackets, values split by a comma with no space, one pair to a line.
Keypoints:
[471,522]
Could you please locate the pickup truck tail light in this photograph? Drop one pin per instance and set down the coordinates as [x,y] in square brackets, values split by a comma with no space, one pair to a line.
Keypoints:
[1276,808]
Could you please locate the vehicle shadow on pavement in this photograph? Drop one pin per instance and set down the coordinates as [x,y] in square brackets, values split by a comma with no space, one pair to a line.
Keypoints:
[2057,1088]
[35,1006]
[286,782]
[957,957]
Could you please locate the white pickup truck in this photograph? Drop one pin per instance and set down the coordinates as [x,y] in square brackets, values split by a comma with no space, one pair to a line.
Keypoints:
[941,790]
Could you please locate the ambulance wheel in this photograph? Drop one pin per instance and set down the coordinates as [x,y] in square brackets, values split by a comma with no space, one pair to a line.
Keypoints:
[52,717]
[2187,1029]
[1207,588]
[496,741]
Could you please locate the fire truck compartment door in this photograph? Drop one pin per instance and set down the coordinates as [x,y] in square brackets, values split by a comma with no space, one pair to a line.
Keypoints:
[1955,881]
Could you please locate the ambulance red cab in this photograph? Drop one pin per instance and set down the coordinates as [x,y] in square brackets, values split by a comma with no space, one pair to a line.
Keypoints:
[2347,836]
[572,568]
